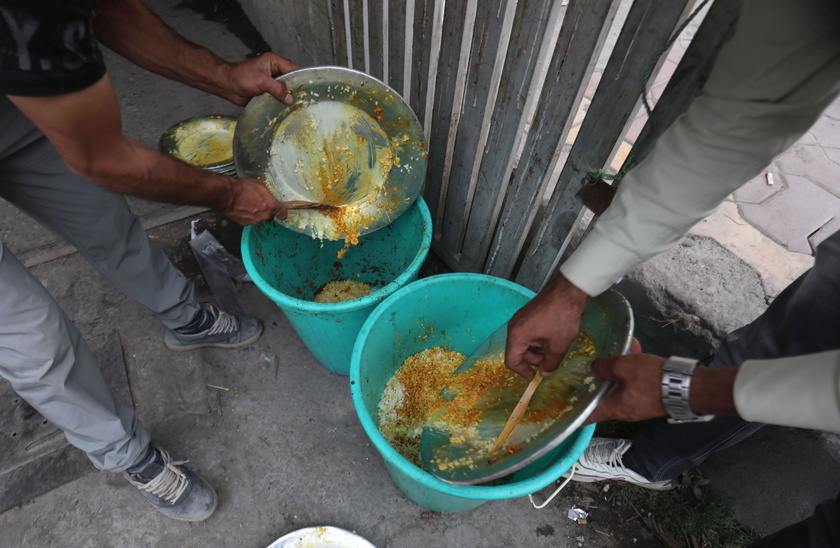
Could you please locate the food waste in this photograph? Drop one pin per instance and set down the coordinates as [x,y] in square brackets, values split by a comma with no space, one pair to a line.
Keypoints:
[342,290]
[414,399]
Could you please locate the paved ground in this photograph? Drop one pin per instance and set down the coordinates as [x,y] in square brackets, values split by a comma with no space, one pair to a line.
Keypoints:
[277,434]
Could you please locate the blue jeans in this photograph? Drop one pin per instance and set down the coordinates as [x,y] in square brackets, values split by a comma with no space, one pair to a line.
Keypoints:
[803,319]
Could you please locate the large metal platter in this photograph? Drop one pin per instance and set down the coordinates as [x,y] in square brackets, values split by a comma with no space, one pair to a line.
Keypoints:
[321,537]
[348,139]
[202,141]
[608,320]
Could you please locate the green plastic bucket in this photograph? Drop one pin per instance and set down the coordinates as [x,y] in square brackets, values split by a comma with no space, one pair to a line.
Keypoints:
[457,311]
[289,268]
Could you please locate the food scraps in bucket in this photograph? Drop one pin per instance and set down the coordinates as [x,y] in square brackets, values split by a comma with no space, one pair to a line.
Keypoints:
[412,399]
[342,290]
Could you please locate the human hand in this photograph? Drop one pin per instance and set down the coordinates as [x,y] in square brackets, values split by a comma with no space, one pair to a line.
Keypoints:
[636,393]
[540,333]
[251,202]
[255,76]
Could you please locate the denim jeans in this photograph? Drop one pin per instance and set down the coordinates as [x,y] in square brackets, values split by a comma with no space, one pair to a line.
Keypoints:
[803,319]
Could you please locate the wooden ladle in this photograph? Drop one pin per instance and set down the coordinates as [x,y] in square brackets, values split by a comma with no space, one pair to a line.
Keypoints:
[518,411]
[301,204]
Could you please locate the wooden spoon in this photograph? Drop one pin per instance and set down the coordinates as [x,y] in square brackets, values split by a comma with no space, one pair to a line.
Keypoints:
[300,204]
[518,411]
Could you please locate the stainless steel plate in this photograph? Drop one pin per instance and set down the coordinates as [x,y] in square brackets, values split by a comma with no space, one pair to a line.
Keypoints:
[202,141]
[608,320]
[321,537]
[348,139]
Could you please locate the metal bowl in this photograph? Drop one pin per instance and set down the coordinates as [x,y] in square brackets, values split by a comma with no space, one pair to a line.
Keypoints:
[202,141]
[348,139]
[608,320]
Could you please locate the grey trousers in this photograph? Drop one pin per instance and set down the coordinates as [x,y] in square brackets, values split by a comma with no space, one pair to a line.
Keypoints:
[42,353]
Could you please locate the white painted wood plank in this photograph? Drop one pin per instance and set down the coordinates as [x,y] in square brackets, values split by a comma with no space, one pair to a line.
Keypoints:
[348,34]
[386,41]
[444,95]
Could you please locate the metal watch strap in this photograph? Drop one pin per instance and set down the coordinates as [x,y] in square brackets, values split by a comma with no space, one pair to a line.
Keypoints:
[676,383]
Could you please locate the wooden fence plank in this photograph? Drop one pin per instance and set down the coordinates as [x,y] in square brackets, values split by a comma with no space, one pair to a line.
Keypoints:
[338,38]
[491,35]
[357,34]
[396,44]
[460,107]
[584,29]
[448,64]
[410,44]
[375,36]
[646,30]
[685,83]
[532,22]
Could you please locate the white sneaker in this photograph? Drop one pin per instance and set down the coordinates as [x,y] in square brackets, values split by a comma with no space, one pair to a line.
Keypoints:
[602,461]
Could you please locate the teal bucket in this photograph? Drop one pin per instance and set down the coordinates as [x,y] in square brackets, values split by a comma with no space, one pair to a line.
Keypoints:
[290,268]
[457,311]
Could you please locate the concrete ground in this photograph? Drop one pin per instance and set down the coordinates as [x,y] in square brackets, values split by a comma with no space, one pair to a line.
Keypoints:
[277,434]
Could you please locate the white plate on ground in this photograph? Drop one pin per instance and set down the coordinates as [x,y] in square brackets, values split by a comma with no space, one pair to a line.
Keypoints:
[321,537]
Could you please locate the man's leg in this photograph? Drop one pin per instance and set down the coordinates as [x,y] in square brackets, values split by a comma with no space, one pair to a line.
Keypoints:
[803,319]
[99,224]
[48,363]
[96,221]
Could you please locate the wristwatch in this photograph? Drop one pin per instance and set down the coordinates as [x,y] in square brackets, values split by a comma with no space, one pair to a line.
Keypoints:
[676,383]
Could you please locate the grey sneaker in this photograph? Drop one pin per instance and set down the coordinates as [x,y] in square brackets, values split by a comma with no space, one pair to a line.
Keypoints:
[601,461]
[173,489]
[226,331]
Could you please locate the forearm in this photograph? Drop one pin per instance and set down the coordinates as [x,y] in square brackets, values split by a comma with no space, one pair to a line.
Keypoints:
[768,86]
[131,168]
[712,391]
[130,29]
[84,128]
[799,391]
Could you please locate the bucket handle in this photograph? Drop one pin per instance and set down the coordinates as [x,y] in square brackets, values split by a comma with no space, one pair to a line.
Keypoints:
[555,493]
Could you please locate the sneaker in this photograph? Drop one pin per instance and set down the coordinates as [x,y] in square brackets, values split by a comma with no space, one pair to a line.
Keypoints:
[173,489]
[602,461]
[215,328]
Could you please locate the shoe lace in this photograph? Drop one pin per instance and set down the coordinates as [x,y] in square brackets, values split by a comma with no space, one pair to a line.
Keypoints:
[608,454]
[170,483]
[225,323]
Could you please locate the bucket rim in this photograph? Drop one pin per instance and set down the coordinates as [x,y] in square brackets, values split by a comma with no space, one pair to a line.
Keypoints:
[374,297]
[579,440]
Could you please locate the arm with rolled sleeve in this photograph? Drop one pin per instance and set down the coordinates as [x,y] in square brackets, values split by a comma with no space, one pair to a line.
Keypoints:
[769,84]
[765,91]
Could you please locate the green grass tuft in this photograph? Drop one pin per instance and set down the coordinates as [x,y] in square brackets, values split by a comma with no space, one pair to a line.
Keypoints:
[689,515]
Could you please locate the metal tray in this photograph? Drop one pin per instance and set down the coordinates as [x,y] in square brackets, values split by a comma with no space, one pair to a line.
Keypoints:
[202,141]
[608,320]
[348,139]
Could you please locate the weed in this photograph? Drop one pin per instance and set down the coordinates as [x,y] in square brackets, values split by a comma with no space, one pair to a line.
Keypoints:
[689,515]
